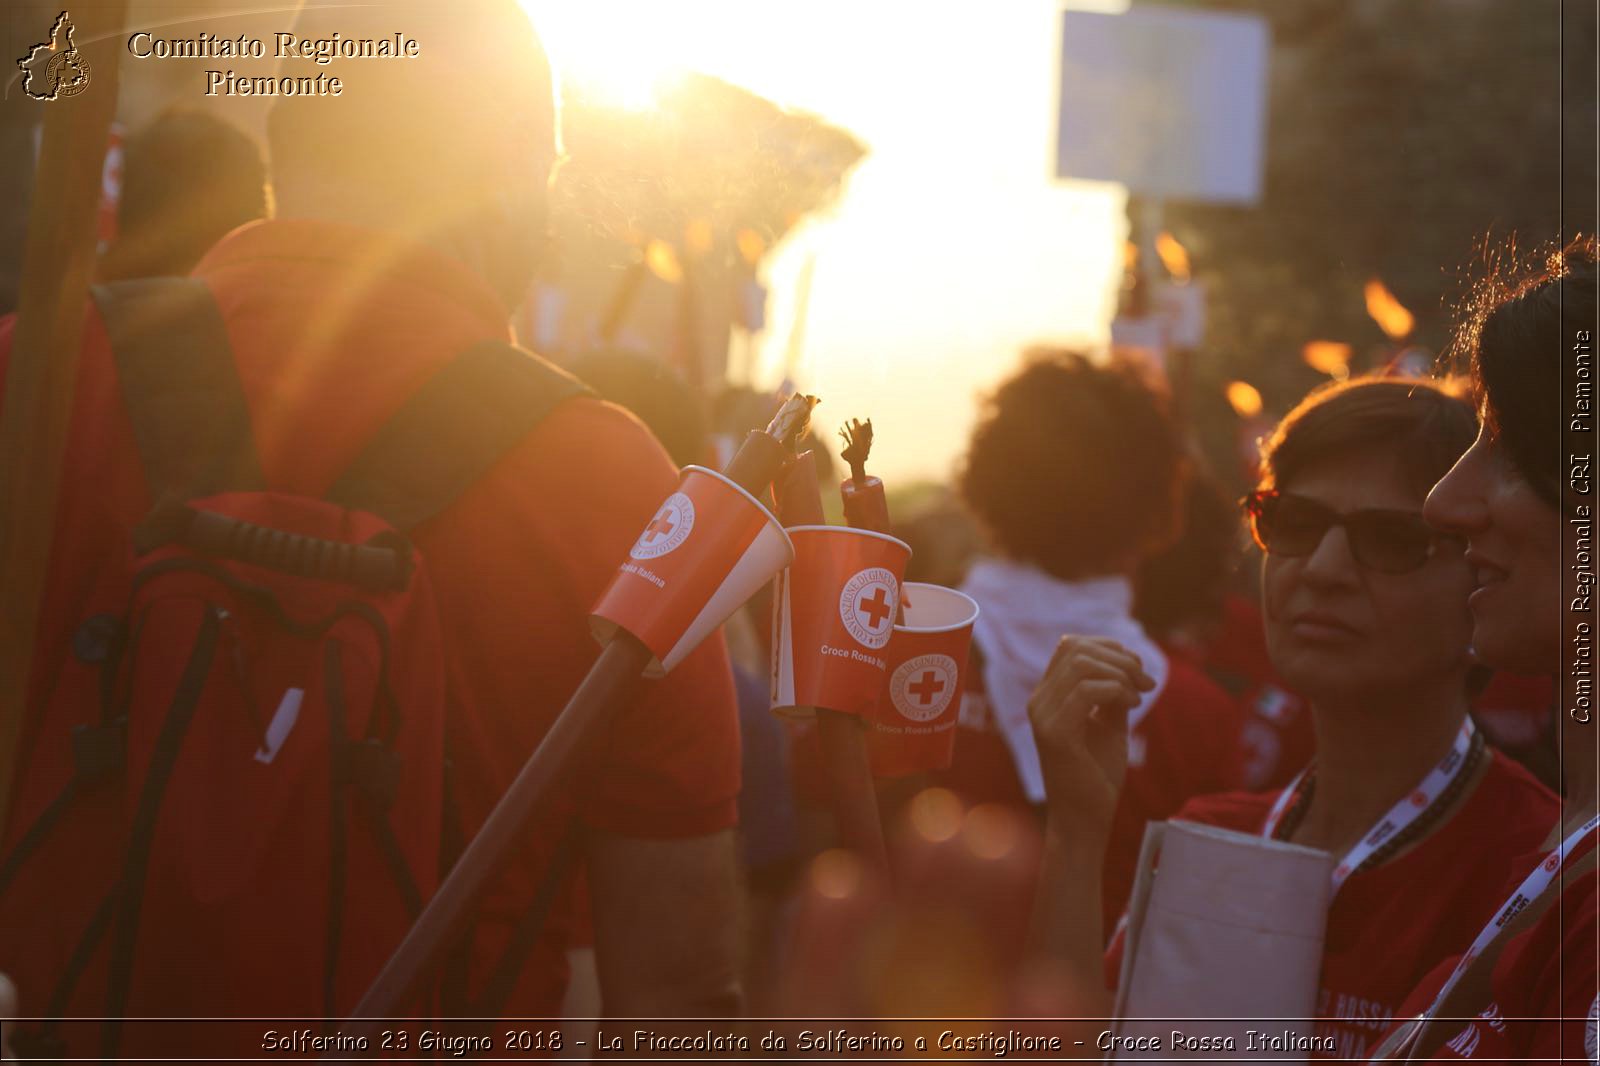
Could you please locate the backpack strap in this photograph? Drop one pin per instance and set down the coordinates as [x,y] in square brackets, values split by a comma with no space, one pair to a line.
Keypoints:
[449,433]
[180,386]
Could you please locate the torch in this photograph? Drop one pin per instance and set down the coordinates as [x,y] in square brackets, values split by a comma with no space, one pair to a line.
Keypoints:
[57,266]
[913,726]
[865,505]
[841,736]
[639,640]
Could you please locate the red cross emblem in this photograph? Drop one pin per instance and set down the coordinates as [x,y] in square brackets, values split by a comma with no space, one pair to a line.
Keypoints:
[875,607]
[926,687]
[673,522]
[922,687]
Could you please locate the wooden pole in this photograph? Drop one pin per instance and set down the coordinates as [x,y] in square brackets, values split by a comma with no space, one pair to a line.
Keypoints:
[610,685]
[612,682]
[40,380]
[842,739]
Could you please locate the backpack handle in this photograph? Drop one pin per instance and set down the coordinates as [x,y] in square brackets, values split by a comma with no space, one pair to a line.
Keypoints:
[374,566]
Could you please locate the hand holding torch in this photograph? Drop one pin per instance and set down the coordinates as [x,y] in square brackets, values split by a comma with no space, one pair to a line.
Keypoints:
[611,682]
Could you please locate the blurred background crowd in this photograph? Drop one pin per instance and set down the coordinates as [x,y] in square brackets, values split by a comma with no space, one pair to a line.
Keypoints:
[884,207]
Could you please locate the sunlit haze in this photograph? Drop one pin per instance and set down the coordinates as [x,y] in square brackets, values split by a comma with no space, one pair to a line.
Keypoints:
[952,245]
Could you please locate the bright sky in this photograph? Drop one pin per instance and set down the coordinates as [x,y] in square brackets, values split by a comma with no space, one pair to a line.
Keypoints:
[952,246]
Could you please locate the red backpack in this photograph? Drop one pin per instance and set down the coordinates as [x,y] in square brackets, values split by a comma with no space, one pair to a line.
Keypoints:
[234,794]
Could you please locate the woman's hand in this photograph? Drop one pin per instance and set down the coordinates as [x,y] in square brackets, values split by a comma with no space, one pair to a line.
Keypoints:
[1079,713]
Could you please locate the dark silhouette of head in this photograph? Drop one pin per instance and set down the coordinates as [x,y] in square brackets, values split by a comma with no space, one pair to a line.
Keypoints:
[1521,333]
[188,177]
[1186,584]
[654,391]
[1075,467]
[453,147]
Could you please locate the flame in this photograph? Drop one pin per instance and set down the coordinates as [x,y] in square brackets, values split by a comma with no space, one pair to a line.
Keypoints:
[1244,398]
[751,246]
[1328,357]
[1174,256]
[663,262]
[1390,314]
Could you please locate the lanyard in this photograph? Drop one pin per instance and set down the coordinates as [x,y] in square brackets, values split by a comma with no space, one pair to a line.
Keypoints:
[1400,1041]
[1401,815]
[1530,889]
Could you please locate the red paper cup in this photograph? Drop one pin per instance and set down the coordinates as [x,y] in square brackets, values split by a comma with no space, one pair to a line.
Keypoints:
[832,618]
[915,726]
[708,549]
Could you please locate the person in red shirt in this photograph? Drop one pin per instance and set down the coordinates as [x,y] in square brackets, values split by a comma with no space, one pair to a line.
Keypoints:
[1526,980]
[1366,614]
[409,213]
[1047,477]
[1188,597]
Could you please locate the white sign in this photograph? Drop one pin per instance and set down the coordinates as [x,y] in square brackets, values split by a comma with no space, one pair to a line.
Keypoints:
[1170,103]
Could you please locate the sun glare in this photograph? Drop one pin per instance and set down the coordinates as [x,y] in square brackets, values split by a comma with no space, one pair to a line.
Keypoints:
[604,49]
[627,51]
[946,252]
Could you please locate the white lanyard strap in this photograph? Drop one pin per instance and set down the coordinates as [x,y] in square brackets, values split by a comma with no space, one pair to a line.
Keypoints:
[1530,889]
[1402,814]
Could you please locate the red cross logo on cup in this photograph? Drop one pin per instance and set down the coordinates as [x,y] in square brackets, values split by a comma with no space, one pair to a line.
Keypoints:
[867,605]
[922,687]
[669,528]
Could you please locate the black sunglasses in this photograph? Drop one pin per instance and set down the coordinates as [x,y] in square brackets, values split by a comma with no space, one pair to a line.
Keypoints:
[1390,542]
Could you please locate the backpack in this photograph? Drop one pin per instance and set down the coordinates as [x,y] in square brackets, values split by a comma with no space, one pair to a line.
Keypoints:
[234,792]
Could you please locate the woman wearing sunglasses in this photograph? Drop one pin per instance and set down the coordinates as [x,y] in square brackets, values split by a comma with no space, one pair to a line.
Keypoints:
[1366,613]
[1531,343]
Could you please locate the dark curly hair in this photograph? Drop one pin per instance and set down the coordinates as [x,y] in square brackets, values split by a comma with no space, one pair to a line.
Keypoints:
[1520,329]
[1428,424]
[1075,467]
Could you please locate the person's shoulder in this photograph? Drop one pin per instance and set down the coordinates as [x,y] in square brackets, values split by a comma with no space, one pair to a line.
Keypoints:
[588,444]
[1245,812]
[1499,833]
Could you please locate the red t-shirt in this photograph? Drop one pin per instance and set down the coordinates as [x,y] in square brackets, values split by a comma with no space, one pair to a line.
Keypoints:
[1546,976]
[1514,710]
[1389,925]
[332,327]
